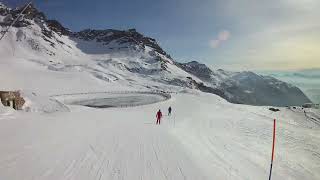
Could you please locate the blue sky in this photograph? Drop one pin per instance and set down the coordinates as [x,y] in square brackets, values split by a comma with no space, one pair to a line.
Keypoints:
[231,34]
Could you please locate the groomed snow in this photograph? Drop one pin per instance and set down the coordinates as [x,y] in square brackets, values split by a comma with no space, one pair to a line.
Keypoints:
[205,138]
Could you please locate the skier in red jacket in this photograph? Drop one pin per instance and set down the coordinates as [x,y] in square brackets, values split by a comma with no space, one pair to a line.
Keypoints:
[159,116]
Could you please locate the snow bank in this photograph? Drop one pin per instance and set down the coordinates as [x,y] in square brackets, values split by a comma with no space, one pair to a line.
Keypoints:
[44,104]
[234,141]
[3,109]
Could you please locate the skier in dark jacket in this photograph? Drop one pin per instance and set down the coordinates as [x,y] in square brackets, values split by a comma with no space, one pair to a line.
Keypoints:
[159,116]
[169,111]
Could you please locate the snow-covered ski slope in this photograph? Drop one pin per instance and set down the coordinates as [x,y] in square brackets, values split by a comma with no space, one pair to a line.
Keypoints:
[205,138]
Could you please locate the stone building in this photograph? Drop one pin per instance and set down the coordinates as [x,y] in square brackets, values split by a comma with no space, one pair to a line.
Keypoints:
[12,99]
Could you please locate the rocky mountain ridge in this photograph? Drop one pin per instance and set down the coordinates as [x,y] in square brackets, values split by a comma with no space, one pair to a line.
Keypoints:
[118,55]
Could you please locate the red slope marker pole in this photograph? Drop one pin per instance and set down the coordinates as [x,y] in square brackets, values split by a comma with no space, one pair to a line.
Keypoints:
[273,143]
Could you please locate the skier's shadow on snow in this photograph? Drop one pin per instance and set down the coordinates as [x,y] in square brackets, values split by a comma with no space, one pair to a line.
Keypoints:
[154,123]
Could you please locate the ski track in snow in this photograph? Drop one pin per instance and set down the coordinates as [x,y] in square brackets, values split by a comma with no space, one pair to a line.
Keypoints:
[205,138]
[91,148]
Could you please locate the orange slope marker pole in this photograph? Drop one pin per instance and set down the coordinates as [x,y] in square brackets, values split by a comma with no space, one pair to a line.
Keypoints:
[273,143]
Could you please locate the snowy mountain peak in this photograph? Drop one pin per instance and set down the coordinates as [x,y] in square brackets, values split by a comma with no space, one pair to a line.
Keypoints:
[131,59]
[196,64]
[130,37]
[4,10]
[2,5]
[30,13]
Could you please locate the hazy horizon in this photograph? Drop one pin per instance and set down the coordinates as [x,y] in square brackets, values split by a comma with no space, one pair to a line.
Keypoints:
[306,80]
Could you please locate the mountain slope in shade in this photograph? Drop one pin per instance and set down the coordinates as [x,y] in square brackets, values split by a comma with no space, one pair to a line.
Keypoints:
[129,59]
[248,87]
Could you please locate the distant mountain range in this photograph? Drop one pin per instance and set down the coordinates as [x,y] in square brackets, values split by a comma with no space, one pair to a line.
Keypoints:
[308,80]
[130,58]
[248,87]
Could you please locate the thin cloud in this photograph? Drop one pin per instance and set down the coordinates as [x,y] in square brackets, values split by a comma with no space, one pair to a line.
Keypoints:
[214,43]
[222,36]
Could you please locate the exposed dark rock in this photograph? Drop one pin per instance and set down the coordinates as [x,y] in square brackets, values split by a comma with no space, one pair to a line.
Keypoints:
[31,13]
[130,37]
[200,70]
[55,26]
[274,109]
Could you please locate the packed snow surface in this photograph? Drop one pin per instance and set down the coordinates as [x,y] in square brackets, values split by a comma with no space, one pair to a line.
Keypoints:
[205,138]
[57,137]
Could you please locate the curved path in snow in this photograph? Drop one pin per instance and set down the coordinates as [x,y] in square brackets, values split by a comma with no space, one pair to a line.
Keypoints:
[205,138]
[113,99]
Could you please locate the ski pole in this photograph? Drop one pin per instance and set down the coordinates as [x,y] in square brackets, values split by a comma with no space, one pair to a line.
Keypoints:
[273,143]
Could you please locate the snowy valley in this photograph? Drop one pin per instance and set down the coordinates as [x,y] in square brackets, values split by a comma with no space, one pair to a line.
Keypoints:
[91,98]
